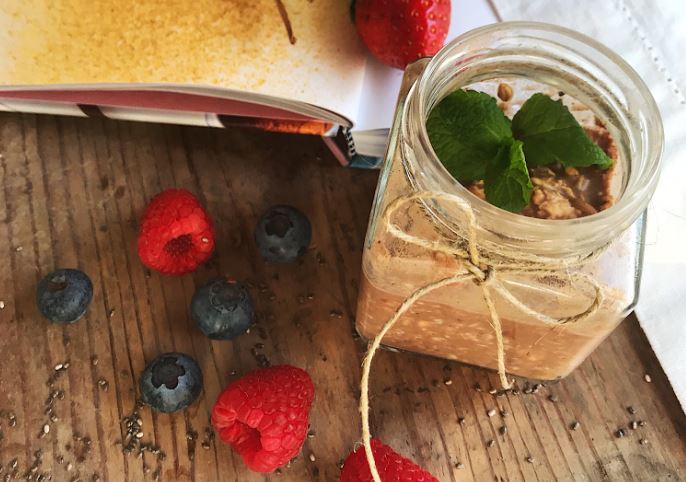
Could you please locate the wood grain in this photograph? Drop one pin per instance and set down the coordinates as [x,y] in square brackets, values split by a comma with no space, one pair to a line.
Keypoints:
[71,193]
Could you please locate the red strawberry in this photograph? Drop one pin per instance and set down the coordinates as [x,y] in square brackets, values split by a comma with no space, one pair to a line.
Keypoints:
[398,32]
[392,467]
[176,234]
[263,415]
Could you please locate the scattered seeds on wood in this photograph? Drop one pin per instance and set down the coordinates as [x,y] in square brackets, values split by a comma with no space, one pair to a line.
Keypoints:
[575,426]
[491,412]
[647,378]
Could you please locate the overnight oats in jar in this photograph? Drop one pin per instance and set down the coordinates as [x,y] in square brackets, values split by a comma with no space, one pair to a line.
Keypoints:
[508,223]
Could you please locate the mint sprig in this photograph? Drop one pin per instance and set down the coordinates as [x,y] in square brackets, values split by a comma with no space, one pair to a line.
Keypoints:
[475,141]
[551,134]
[467,130]
[506,183]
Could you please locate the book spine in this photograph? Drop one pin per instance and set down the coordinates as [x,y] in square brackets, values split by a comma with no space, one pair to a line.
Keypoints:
[338,139]
[164,116]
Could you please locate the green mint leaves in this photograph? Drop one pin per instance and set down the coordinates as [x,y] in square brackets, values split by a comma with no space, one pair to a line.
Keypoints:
[551,134]
[474,139]
[506,183]
[467,130]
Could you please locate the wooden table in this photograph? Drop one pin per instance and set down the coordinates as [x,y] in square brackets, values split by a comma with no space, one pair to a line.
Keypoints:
[71,193]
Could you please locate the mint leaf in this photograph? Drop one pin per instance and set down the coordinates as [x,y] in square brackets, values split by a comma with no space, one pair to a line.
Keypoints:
[551,134]
[467,130]
[507,183]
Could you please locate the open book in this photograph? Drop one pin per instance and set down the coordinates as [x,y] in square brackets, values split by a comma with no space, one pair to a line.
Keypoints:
[283,65]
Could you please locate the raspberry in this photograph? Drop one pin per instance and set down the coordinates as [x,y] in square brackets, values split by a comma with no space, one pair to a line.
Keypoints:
[176,234]
[392,466]
[263,415]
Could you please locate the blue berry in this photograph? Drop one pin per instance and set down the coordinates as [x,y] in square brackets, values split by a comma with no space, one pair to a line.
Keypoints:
[222,309]
[283,234]
[64,295]
[171,382]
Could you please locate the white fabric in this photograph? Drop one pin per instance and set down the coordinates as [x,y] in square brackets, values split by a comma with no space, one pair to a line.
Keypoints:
[650,35]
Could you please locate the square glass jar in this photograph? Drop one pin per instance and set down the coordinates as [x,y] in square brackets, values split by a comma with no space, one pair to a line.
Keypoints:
[562,285]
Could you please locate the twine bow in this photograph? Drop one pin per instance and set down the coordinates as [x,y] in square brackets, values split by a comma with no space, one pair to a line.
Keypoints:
[485,271]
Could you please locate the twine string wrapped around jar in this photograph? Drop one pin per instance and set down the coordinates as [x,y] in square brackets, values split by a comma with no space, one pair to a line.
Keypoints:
[483,267]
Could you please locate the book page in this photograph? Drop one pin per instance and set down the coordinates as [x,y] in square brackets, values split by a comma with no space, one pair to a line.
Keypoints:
[241,45]
[382,83]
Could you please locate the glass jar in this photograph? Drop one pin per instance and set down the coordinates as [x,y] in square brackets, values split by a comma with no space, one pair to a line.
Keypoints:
[554,265]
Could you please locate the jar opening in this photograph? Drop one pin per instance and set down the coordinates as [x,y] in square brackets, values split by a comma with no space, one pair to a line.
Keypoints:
[561,60]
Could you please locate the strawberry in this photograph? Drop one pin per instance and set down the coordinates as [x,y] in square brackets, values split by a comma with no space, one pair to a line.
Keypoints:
[263,415]
[392,467]
[176,233]
[398,32]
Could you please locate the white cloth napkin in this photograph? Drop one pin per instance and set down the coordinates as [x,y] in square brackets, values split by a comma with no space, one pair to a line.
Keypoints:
[651,36]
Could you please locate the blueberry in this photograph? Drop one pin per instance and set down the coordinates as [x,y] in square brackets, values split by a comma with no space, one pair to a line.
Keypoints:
[283,234]
[171,382]
[64,295]
[222,309]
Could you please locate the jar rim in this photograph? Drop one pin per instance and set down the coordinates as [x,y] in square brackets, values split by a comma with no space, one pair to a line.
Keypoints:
[546,234]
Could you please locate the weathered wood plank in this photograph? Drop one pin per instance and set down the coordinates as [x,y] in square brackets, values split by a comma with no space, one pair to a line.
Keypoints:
[71,194]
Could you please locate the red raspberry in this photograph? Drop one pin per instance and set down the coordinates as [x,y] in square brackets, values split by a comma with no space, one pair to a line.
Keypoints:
[263,415]
[176,234]
[392,466]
